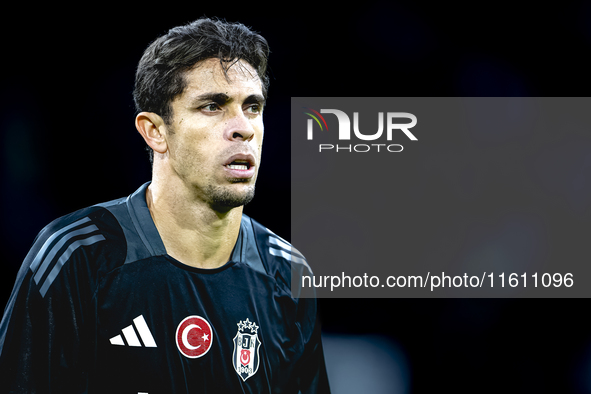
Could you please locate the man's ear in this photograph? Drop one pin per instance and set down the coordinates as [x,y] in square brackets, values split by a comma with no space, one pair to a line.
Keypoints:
[152,128]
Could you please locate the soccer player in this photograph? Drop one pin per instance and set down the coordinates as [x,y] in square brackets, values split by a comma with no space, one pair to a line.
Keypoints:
[172,289]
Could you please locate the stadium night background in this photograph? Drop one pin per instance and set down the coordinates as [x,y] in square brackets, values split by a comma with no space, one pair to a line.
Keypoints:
[68,141]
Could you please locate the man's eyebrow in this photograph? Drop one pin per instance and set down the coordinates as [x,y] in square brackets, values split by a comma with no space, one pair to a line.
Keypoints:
[218,98]
[255,99]
[222,98]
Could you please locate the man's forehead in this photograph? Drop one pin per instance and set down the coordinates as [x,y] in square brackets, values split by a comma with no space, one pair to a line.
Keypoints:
[209,74]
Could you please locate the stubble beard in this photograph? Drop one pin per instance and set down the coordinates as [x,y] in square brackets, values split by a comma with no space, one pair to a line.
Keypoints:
[224,198]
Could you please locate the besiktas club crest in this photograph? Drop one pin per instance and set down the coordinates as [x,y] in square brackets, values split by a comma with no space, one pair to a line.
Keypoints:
[246,349]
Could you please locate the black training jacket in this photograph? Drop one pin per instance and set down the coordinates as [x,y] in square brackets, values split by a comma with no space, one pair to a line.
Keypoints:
[100,307]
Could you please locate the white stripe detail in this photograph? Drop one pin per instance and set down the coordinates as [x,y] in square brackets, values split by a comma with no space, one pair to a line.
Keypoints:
[117,340]
[285,246]
[130,336]
[275,235]
[289,257]
[46,244]
[60,263]
[145,334]
[52,254]
[278,242]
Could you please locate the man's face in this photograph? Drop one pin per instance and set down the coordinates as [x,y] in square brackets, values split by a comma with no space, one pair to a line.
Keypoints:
[216,134]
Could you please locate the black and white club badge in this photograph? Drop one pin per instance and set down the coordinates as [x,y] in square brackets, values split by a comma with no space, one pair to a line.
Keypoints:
[246,349]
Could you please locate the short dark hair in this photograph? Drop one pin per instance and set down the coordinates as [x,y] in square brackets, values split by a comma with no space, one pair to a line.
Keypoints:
[160,73]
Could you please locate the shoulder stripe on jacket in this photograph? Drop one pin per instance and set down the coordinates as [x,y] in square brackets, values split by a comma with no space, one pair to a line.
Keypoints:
[48,259]
[62,260]
[285,246]
[49,240]
[281,248]
[53,252]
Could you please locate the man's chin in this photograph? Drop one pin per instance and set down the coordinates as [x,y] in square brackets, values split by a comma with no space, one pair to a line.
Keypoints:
[228,197]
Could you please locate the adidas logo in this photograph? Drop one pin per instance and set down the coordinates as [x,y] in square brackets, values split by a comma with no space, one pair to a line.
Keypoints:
[131,334]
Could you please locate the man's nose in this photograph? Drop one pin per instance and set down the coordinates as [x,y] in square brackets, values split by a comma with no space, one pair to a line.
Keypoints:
[239,128]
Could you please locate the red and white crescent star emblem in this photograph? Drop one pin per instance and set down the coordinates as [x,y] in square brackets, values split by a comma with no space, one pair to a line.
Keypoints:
[245,357]
[194,336]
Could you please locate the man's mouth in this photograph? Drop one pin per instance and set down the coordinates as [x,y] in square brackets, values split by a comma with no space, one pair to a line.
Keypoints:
[239,165]
[240,162]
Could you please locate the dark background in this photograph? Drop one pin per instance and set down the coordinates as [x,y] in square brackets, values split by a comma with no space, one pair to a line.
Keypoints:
[68,141]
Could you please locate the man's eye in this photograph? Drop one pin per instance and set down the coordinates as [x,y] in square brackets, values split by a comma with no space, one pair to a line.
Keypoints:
[211,107]
[254,109]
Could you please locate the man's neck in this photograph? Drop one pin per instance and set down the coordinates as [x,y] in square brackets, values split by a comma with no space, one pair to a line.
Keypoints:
[192,231]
